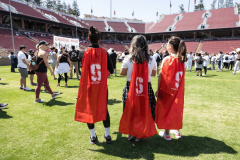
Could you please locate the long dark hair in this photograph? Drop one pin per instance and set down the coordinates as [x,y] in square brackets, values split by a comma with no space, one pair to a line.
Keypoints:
[139,49]
[94,34]
[180,47]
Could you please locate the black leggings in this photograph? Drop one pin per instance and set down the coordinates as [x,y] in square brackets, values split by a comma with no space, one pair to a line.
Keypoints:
[205,70]
[106,123]
[59,78]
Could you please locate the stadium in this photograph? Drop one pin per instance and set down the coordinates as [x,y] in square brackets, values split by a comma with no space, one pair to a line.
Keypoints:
[212,30]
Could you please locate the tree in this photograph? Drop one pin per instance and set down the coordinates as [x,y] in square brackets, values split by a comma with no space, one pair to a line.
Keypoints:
[49,4]
[37,2]
[28,1]
[64,8]
[213,4]
[70,11]
[75,8]
[221,4]
[181,7]
[200,6]
[238,5]
[59,6]
[229,3]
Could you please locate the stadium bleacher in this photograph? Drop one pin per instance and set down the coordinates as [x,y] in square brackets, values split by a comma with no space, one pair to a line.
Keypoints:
[223,18]
[118,26]
[189,21]
[220,45]
[97,23]
[191,46]
[139,27]
[155,46]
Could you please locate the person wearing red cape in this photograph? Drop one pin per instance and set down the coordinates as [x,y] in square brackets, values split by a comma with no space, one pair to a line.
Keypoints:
[138,97]
[170,93]
[92,97]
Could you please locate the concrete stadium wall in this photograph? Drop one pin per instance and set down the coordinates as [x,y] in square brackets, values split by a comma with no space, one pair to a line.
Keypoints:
[5,61]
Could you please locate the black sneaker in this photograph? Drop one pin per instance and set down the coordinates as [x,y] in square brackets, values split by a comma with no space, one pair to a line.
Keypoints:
[108,139]
[93,140]
[21,88]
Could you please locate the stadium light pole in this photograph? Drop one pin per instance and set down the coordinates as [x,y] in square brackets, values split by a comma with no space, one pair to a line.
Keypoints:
[11,26]
[76,25]
[188,5]
[111,9]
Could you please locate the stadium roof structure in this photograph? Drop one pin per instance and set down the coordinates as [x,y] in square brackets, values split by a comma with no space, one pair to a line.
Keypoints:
[215,19]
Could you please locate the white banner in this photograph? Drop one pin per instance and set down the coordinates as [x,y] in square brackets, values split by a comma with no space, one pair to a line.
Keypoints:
[59,42]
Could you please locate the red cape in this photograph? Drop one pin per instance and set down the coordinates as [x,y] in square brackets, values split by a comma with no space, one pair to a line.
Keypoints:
[91,104]
[137,117]
[170,101]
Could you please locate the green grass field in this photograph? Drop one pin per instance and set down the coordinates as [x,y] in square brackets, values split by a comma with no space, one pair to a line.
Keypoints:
[48,130]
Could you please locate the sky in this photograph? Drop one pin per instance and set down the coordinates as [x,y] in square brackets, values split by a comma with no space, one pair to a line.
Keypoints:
[143,9]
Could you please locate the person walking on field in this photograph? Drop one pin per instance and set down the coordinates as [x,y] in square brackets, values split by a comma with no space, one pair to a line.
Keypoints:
[199,63]
[74,57]
[31,72]
[232,60]
[213,59]
[22,67]
[41,72]
[237,64]
[138,97]
[113,56]
[219,59]
[53,56]
[170,93]
[92,97]
[205,62]
[189,61]
[62,67]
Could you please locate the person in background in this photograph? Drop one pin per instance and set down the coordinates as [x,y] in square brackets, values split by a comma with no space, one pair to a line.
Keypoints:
[41,72]
[92,97]
[62,67]
[170,93]
[237,64]
[3,105]
[219,59]
[165,54]
[199,63]
[74,57]
[53,55]
[138,97]
[126,52]
[12,61]
[22,67]
[226,61]
[232,60]
[113,56]
[151,52]
[205,62]
[189,61]
[157,58]
[31,72]
[213,59]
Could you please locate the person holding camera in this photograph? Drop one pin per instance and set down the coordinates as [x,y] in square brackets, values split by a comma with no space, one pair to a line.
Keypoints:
[74,57]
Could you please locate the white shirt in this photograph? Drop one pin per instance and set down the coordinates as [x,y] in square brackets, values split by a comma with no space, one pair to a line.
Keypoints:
[21,56]
[127,63]
[155,56]
[213,59]
[226,61]
[232,58]
[190,57]
[205,63]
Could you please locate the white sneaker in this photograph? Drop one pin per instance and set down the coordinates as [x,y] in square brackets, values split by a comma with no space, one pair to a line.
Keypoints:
[27,89]
[203,74]
[167,137]
[176,133]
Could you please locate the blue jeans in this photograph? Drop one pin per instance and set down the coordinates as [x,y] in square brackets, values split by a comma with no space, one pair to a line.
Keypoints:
[219,63]
[213,65]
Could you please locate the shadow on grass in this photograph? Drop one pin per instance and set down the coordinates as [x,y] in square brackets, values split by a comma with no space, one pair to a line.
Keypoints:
[209,76]
[55,102]
[187,146]
[72,87]
[113,101]
[3,115]
[4,84]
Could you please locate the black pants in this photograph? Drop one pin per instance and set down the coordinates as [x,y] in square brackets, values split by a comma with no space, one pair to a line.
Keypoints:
[12,67]
[226,65]
[205,70]
[106,123]
[232,64]
[59,78]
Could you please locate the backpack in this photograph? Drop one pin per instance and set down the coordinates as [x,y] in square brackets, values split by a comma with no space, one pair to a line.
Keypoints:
[226,58]
[74,56]
[200,60]
[33,64]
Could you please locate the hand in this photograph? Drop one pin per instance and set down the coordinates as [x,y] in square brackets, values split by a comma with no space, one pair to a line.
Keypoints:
[156,93]
[52,74]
